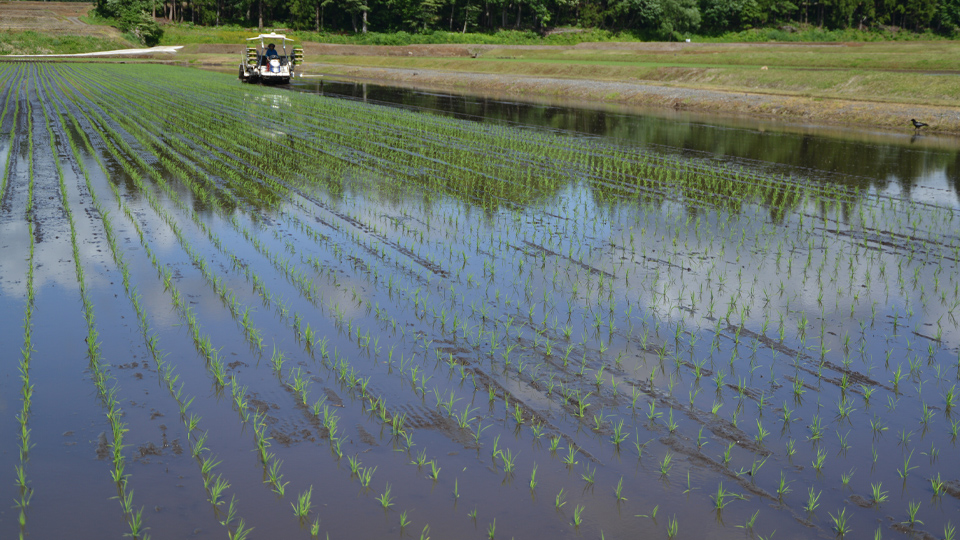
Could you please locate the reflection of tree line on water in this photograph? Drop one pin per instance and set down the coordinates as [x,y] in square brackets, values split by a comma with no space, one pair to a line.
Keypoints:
[860,165]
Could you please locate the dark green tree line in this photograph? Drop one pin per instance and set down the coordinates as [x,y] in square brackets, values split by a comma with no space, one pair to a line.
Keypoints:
[653,19]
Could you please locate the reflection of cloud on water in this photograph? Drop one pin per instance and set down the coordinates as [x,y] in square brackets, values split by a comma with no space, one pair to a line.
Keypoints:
[15,241]
[934,187]
[821,302]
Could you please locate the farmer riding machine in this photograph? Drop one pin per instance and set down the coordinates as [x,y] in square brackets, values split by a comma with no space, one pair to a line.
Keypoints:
[262,62]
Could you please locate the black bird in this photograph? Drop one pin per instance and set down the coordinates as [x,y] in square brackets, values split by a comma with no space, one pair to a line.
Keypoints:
[918,125]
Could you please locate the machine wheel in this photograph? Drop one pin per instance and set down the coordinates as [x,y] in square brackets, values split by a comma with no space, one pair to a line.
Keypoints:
[243,74]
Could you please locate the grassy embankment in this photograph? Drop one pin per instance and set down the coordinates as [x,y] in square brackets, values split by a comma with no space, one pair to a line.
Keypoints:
[915,73]
[909,73]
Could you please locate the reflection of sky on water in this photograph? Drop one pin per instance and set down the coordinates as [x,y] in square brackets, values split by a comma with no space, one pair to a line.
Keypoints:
[933,188]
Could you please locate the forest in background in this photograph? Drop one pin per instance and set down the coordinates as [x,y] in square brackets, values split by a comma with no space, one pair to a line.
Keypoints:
[642,19]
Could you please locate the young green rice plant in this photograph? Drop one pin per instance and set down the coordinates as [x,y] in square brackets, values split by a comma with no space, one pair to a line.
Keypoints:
[820,459]
[720,499]
[783,487]
[275,479]
[761,433]
[671,425]
[841,524]
[385,500]
[216,489]
[508,461]
[727,453]
[589,474]
[240,533]
[813,500]
[672,527]
[559,501]
[554,443]
[666,464]
[878,496]
[135,520]
[578,516]
[845,478]
[904,471]
[750,522]
[518,414]
[912,509]
[652,413]
[301,508]
[938,485]
[366,476]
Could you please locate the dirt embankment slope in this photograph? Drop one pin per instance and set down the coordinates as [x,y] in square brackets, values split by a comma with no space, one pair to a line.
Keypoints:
[52,18]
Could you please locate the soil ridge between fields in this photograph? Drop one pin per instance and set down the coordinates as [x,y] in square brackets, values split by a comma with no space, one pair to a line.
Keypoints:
[834,111]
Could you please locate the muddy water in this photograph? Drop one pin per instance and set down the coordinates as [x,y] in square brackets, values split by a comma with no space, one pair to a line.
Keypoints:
[924,167]
[500,323]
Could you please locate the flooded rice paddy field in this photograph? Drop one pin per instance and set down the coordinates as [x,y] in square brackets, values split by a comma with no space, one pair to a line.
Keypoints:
[241,312]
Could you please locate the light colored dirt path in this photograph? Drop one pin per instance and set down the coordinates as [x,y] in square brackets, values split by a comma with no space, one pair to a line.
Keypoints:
[165,49]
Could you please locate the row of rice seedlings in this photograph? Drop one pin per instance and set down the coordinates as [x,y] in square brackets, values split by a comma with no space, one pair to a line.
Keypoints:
[101,378]
[215,486]
[24,491]
[270,462]
[13,82]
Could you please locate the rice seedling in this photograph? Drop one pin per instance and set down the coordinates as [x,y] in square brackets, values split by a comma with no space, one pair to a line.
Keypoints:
[578,516]
[912,509]
[589,474]
[840,523]
[672,527]
[666,464]
[385,499]
[301,508]
[813,500]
